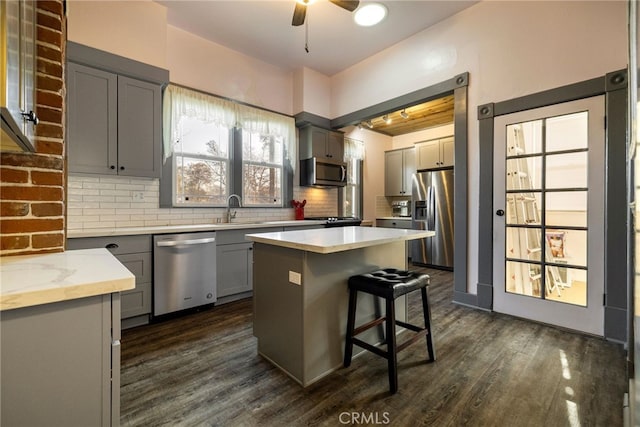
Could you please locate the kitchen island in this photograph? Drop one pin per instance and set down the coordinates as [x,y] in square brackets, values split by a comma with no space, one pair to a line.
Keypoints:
[301,295]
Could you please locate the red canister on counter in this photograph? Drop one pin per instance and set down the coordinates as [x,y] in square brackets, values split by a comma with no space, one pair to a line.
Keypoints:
[298,208]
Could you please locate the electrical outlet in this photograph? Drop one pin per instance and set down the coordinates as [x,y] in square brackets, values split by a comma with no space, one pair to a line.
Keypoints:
[295,278]
[138,196]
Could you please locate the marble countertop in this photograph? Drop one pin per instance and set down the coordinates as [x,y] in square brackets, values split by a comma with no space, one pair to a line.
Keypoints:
[161,229]
[28,280]
[330,240]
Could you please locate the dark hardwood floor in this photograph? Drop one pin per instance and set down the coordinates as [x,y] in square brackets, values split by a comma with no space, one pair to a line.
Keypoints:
[202,369]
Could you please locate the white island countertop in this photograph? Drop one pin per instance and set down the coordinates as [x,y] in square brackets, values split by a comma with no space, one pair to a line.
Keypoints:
[28,280]
[338,239]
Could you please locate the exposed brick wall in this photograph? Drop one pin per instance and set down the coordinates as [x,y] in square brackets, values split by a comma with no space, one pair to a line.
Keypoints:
[32,185]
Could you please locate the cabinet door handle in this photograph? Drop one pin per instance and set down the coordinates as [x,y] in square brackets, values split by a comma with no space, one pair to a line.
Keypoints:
[121,168]
[31,117]
[112,167]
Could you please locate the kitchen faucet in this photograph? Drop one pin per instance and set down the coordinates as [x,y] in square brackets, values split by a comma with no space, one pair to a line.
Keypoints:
[230,215]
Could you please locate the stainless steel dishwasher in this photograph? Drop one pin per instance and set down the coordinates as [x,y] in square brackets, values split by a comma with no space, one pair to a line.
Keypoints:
[184,271]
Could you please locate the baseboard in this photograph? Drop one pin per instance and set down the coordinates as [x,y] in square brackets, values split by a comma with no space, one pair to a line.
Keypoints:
[464,298]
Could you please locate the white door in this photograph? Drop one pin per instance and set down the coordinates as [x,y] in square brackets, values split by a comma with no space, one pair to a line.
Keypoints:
[549,215]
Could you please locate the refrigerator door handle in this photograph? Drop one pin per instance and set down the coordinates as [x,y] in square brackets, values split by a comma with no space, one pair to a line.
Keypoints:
[431,209]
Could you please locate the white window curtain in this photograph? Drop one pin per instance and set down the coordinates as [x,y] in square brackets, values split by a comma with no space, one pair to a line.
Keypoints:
[182,102]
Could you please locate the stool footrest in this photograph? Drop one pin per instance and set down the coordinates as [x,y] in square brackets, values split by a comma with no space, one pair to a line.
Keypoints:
[371,348]
[410,326]
[368,325]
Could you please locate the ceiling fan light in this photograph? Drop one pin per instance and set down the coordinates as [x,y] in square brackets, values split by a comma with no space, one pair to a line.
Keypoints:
[404,114]
[370,14]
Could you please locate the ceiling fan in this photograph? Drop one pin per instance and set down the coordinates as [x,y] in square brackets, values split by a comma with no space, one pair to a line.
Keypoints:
[300,11]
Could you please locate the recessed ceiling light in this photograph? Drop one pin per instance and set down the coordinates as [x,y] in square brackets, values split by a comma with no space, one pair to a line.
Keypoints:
[370,14]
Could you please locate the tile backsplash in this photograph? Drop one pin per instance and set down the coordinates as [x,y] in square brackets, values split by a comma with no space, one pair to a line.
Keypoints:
[110,202]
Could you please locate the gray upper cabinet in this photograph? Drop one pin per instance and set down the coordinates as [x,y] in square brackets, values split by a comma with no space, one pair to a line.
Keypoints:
[17,104]
[321,143]
[399,167]
[437,153]
[92,119]
[114,114]
[139,128]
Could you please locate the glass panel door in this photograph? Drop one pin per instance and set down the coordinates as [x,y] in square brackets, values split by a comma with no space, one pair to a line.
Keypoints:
[548,195]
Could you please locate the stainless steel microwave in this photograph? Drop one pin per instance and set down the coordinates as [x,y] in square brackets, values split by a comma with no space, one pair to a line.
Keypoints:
[316,172]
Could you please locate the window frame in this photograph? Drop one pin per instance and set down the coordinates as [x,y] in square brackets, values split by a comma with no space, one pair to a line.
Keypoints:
[228,161]
[242,162]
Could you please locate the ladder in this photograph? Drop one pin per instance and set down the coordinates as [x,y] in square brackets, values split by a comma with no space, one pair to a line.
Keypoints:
[522,208]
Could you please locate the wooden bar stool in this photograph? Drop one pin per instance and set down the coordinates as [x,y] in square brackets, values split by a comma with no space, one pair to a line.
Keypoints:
[389,284]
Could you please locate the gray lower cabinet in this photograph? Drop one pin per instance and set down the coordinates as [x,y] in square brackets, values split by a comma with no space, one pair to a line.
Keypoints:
[60,363]
[394,223]
[234,278]
[235,269]
[235,261]
[135,253]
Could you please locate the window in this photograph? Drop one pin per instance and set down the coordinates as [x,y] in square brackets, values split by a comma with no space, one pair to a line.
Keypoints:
[214,147]
[262,164]
[201,163]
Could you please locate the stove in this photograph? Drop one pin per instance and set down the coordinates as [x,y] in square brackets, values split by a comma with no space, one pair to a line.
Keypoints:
[336,221]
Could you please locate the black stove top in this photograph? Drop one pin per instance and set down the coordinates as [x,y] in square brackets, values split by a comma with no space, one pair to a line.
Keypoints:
[336,221]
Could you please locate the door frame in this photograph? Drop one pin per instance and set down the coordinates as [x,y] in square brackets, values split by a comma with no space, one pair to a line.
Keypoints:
[458,86]
[589,318]
[614,86]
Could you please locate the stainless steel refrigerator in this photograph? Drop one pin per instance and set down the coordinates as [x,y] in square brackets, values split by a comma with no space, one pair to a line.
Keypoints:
[432,202]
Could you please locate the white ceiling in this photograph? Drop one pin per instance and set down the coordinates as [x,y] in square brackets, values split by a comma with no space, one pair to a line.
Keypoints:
[262,29]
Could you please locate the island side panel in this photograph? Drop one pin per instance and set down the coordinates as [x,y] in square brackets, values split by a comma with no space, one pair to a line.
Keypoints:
[277,307]
[325,298]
